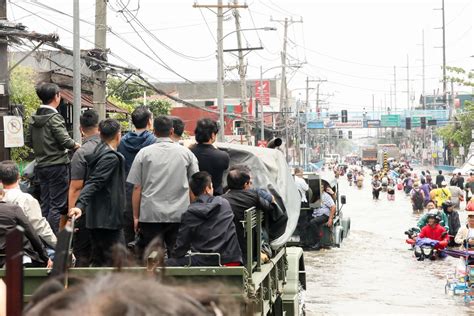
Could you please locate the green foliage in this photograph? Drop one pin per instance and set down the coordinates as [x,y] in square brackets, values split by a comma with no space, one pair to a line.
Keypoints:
[159,107]
[123,119]
[460,76]
[22,91]
[459,132]
[127,92]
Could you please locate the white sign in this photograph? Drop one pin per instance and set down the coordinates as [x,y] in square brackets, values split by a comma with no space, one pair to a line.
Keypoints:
[472,134]
[461,151]
[13,126]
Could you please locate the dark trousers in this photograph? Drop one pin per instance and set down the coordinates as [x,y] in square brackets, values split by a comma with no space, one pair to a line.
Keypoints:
[196,261]
[313,232]
[81,243]
[54,183]
[167,232]
[128,230]
[102,242]
[376,193]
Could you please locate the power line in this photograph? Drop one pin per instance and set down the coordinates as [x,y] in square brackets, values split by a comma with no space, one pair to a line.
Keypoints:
[153,36]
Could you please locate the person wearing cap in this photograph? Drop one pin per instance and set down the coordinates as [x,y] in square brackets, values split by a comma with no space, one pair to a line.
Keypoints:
[442,194]
[453,220]
[435,231]
[417,198]
[466,232]
[431,208]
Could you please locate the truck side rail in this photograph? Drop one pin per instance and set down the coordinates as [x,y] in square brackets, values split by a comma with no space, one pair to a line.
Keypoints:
[253,222]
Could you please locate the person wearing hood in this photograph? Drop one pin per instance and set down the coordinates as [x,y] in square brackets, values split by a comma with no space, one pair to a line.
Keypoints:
[103,196]
[130,145]
[48,136]
[206,227]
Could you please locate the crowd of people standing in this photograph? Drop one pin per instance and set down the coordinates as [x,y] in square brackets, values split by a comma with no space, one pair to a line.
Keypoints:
[129,190]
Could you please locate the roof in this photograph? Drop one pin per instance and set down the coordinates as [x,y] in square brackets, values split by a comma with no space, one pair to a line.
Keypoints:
[86,101]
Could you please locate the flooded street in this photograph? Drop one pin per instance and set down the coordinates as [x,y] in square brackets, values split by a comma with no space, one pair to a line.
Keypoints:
[374,272]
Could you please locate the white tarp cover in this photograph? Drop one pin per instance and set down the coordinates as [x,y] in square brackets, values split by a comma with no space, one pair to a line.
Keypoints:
[270,171]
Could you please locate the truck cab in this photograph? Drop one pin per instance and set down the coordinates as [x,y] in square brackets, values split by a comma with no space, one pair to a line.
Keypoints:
[332,236]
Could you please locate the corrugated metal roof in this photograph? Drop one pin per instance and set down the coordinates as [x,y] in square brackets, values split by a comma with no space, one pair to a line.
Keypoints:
[86,101]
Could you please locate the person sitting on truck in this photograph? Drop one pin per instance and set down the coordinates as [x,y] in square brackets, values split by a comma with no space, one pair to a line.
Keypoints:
[206,227]
[321,216]
[241,197]
[12,216]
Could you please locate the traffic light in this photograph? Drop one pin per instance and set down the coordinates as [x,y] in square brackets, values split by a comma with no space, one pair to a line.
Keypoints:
[344,116]
[349,134]
[423,122]
[408,122]
[340,135]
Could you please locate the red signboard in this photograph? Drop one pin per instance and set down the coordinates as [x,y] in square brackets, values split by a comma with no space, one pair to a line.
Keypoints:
[265,93]
[262,143]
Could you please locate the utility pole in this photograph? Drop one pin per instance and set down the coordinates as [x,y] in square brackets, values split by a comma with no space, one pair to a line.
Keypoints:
[4,84]
[408,83]
[220,58]
[76,111]
[100,76]
[444,58]
[262,122]
[283,87]
[242,73]
[423,67]
[395,87]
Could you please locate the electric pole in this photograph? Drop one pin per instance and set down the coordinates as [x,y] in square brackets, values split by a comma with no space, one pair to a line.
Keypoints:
[408,83]
[242,73]
[283,87]
[100,76]
[395,87]
[423,67]
[76,111]
[4,84]
[444,58]
[220,58]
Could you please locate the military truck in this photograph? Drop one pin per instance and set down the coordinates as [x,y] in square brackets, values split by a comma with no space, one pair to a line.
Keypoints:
[272,288]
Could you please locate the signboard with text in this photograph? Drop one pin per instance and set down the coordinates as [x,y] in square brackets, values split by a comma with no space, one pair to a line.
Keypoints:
[264,93]
[390,120]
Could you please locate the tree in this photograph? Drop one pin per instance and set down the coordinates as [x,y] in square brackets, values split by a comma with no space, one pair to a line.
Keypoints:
[23,92]
[459,132]
[127,92]
[460,76]
[159,107]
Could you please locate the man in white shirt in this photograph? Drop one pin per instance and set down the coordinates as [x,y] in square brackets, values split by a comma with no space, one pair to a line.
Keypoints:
[301,185]
[10,176]
[160,174]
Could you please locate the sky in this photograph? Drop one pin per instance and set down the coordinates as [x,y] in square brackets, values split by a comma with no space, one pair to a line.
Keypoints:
[353,44]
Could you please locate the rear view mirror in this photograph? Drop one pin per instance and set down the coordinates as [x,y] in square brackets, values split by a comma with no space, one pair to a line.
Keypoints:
[343,199]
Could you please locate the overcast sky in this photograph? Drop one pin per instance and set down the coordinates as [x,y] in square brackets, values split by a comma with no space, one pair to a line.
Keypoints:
[353,44]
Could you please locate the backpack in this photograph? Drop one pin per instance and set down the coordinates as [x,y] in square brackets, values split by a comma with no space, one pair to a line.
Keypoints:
[418,199]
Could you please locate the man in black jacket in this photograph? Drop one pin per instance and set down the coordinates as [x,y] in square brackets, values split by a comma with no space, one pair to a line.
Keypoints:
[48,137]
[206,227]
[211,159]
[103,195]
[241,197]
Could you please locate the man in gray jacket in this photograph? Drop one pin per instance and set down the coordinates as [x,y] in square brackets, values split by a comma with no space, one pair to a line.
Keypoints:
[48,137]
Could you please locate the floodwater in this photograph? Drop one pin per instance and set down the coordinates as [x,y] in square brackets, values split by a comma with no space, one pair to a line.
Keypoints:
[374,272]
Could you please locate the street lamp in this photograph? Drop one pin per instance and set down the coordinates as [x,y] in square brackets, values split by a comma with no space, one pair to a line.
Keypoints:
[220,74]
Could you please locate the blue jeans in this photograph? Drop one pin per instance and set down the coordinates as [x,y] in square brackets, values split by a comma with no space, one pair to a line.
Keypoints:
[54,183]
